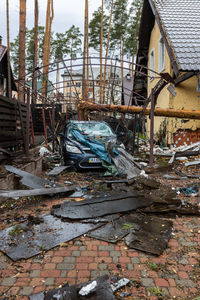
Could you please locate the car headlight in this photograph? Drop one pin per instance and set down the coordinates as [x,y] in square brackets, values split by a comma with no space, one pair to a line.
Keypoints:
[72,149]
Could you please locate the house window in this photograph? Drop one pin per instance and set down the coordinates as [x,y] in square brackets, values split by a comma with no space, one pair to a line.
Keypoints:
[161,55]
[68,83]
[152,63]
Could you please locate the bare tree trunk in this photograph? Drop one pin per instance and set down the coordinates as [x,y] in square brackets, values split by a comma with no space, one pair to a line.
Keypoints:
[107,49]
[22,48]
[35,60]
[8,50]
[135,38]
[47,40]
[87,39]
[85,49]
[122,56]
[101,53]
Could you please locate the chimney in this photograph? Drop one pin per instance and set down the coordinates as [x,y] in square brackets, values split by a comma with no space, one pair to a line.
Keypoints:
[0,39]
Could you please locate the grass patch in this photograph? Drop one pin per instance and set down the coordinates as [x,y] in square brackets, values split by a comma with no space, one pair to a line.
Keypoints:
[17,230]
[152,265]
[155,291]
[127,226]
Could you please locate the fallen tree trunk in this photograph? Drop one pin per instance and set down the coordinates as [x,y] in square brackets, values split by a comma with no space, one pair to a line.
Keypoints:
[161,112]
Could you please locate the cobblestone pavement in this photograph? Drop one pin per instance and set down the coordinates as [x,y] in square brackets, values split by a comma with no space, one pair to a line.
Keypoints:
[173,275]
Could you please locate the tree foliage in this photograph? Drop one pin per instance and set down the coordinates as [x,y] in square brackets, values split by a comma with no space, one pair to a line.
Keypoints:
[95,29]
[62,45]
[125,25]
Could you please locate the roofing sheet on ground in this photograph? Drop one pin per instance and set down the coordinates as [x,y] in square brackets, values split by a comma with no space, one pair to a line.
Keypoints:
[152,236]
[114,231]
[102,291]
[25,241]
[111,206]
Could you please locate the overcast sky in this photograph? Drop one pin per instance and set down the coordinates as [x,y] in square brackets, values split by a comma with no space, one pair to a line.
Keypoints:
[66,14]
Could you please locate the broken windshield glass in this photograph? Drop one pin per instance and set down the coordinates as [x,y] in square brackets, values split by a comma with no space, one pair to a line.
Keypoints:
[92,129]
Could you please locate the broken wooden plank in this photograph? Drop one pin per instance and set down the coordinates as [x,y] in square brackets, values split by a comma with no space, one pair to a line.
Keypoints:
[37,192]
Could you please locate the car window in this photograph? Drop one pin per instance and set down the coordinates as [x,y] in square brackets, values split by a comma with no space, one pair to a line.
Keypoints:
[93,129]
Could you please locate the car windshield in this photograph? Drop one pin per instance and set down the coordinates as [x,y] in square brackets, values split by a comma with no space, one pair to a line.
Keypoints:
[93,129]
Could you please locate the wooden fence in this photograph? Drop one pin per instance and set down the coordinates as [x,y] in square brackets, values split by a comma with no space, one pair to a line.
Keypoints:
[12,124]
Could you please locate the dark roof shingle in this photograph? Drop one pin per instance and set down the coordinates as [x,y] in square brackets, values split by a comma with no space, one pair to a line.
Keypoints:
[181,21]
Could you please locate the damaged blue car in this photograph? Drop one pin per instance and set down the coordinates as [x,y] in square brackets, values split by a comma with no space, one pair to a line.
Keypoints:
[83,144]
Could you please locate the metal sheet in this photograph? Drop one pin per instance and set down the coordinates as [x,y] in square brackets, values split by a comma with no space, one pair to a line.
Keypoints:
[37,192]
[104,196]
[152,236]
[114,231]
[30,180]
[87,211]
[44,236]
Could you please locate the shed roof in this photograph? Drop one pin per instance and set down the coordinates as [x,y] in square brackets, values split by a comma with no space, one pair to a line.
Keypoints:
[181,22]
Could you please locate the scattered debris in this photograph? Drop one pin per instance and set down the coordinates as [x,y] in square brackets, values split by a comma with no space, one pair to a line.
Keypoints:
[58,170]
[118,285]
[34,238]
[88,289]
[98,289]
[190,191]
[192,163]
[37,192]
[30,180]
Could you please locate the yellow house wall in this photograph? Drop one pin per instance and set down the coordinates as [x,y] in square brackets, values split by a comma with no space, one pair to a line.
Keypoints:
[186,97]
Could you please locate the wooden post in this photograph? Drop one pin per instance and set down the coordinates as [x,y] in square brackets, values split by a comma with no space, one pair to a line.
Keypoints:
[22,48]
[85,50]
[44,125]
[27,123]
[152,128]
[53,126]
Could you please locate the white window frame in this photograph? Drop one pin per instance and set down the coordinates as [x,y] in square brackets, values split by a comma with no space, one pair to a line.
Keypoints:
[161,65]
[152,63]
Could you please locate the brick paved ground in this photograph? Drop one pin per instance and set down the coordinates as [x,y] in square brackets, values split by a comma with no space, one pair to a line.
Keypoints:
[175,274]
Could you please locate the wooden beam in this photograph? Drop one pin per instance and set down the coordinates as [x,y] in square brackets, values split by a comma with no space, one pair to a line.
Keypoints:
[184,77]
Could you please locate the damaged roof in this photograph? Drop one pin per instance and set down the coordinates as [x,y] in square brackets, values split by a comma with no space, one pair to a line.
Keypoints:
[180,20]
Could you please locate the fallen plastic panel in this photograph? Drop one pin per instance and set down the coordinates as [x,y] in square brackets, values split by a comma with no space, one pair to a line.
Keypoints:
[115,231]
[152,236]
[98,289]
[30,180]
[79,210]
[124,162]
[27,240]
[58,170]
[37,192]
